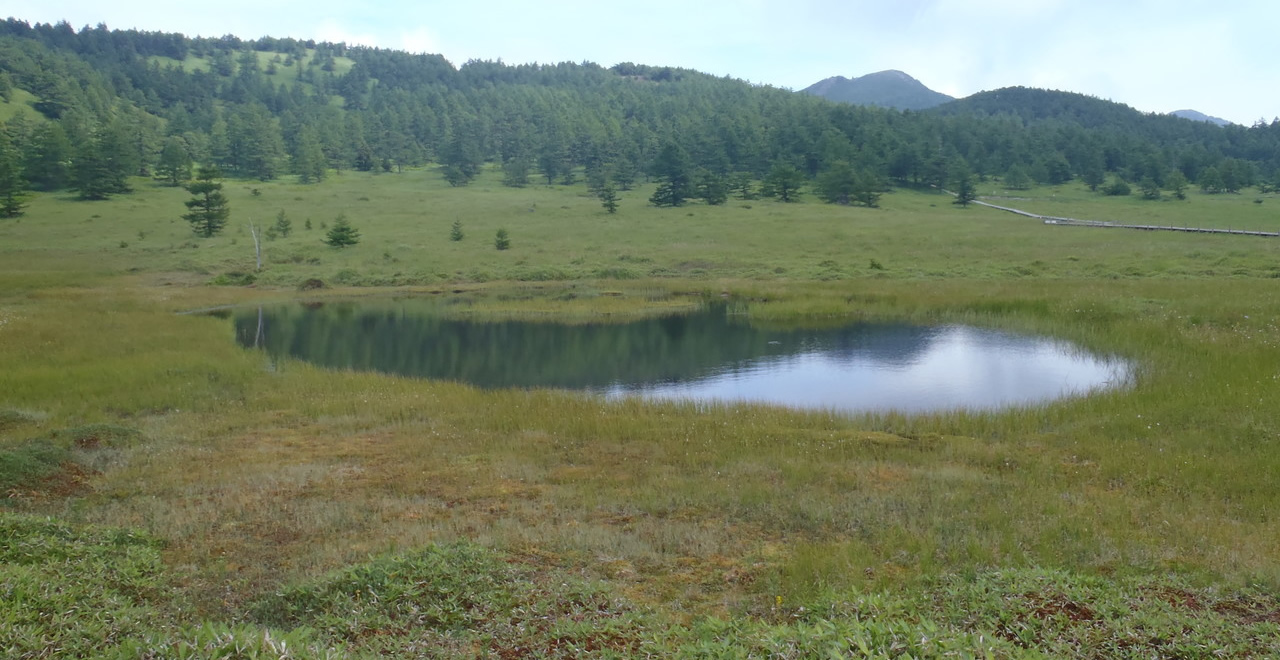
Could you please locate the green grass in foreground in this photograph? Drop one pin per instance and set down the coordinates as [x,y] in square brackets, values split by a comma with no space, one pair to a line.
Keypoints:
[95,593]
[1131,523]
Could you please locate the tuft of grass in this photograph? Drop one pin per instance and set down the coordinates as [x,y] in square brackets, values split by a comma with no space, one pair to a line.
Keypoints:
[74,592]
[94,436]
[12,419]
[25,464]
[445,588]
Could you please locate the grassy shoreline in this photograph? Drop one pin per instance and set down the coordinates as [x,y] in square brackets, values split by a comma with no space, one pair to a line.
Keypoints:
[725,525]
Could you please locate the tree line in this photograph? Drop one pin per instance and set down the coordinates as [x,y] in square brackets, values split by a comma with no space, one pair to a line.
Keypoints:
[114,104]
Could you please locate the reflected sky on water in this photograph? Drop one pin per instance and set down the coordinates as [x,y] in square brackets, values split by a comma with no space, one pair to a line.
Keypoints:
[714,354]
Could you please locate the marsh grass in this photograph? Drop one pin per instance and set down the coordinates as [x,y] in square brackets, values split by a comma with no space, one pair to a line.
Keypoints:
[259,477]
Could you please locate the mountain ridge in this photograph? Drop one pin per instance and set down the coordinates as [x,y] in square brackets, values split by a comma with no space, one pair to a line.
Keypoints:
[1196,115]
[890,88]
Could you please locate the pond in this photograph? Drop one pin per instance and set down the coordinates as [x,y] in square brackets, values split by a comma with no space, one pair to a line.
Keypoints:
[713,354]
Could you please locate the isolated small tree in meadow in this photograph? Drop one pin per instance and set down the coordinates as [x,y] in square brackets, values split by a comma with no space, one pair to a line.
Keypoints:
[208,209]
[501,240]
[1150,189]
[341,234]
[283,224]
[609,198]
[966,189]
[455,232]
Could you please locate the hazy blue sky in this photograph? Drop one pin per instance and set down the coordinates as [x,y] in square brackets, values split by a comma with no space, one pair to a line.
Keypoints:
[1220,57]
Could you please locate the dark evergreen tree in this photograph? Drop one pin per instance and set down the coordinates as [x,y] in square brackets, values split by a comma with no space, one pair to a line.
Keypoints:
[1017,178]
[175,164]
[309,161]
[1094,175]
[1150,189]
[254,142]
[455,231]
[866,189]
[671,169]
[836,184]
[12,183]
[964,186]
[712,188]
[341,234]
[1236,174]
[502,240]
[462,157]
[742,184]
[624,174]
[283,225]
[208,209]
[101,168]
[515,172]
[1176,183]
[609,198]
[1117,188]
[1054,169]
[1211,181]
[784,183]
[46,161]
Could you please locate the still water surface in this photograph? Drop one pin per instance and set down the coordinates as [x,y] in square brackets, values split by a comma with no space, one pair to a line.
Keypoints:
[713,354]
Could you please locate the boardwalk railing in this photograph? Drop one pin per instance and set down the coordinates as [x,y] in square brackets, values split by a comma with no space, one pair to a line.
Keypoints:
[1053,220]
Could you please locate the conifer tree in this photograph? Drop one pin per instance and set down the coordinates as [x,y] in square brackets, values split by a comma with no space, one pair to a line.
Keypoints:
[609,198]
[208,207]
[342,234]
[783,182]
[11,181]
[671,167]
[283,226]
[45,161]
[175,164]
[965,189]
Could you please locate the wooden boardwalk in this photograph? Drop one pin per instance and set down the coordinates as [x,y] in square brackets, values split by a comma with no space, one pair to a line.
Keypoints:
[1053,220]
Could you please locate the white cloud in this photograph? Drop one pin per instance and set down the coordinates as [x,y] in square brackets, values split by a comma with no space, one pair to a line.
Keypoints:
[420,40]
[335,31]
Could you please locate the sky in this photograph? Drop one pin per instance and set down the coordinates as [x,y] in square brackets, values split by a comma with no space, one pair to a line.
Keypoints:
[1219,57]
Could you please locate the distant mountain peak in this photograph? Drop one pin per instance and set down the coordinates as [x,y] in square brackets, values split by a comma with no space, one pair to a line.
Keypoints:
[1194,115]
[888,89]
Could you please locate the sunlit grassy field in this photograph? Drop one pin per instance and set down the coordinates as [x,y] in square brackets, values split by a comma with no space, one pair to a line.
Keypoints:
[1137,522]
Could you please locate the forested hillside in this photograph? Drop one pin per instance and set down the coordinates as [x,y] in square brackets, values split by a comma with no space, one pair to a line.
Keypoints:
[88,109]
